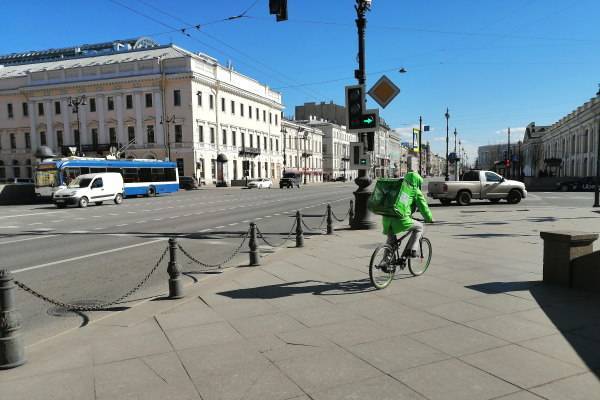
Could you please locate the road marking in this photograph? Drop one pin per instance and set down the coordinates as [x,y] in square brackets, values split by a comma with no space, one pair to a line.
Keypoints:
[27,239]
[120,225]
[36,223]
[76,232]
[187,215]
[267,216]
[42,229]
[130,212]
[96,216]
[277,214]
[80,218]
[57,220]
[204,230]
[258,219]
[157,219]
[98,228]
[176,216]
[28,215]
[141,222]
[113,214]
[245,221]
[9,227]
[87,256]
[220,227]
[234,224]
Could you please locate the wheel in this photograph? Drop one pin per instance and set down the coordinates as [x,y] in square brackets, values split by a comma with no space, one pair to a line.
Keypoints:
[445,202]
[98,203]
[83,202]
[495,201]
[151,191]
[381,267]
[463,198]
[419,264]
[514,197]
[118,198]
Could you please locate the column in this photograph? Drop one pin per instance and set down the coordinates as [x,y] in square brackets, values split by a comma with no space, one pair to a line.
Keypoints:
[121,135]
[50,142]
[83,131]
[33,126]
[68,139]
[159,135]
[102,135]
[139,120]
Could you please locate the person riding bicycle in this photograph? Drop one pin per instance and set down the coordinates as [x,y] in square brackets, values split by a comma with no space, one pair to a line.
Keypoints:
[409,195]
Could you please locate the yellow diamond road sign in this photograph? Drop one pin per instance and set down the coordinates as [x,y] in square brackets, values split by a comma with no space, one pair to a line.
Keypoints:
[384,91]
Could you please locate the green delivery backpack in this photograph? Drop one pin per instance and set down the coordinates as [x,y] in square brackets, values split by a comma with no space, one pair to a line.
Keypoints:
[384,196]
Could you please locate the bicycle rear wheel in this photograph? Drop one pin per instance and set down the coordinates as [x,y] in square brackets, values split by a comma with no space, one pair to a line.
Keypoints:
[420,263]
[381,267]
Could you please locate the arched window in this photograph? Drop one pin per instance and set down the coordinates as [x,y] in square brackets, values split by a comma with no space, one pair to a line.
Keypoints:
[16,169]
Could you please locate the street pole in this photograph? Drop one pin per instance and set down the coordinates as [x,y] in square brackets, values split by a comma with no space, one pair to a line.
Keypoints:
[447,115]
[284,131]
[597,188]
[420,149]
[166,122]
[508,167]
[361,218]
[75,102]
[455,161]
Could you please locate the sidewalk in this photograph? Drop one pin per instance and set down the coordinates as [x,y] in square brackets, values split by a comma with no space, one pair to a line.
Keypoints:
[308,325]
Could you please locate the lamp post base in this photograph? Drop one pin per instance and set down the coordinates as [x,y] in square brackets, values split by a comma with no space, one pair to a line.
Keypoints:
[362,216]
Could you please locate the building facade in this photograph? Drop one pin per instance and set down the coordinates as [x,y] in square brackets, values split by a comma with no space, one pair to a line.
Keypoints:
[303,150]
[143,100]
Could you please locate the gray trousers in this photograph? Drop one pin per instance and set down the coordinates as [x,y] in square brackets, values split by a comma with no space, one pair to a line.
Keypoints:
[416,234]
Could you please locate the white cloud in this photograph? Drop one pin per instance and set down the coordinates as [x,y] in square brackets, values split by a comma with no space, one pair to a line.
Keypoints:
[405,133]
[516,134]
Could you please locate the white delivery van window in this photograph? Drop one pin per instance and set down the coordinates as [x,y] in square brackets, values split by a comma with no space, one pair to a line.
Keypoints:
[97,183]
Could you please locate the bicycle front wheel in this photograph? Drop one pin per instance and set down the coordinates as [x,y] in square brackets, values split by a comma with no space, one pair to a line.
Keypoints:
[381,268]
[420,263]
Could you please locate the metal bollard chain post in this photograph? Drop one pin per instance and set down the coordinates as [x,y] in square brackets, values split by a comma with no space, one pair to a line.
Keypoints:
[12,350]
[175,282]
[329,220]
[254,252]
[351,212]
[299,231]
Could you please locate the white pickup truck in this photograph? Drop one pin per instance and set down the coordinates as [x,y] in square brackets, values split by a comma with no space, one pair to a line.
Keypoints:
[477,185]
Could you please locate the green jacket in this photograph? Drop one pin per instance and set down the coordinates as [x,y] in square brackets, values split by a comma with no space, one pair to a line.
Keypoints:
[410,192]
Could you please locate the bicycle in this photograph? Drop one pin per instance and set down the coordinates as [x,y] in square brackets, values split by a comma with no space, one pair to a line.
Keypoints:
[386,259]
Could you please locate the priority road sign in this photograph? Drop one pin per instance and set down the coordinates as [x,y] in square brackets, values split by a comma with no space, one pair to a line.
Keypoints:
[384,91]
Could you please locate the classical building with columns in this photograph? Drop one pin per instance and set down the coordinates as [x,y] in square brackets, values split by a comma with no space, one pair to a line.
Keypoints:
[303,150]
[142,99]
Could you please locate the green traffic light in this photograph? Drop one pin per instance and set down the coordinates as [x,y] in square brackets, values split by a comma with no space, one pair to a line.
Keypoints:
[368,120]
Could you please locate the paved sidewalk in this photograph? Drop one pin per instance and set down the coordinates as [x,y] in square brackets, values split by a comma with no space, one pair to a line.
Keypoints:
[308,325]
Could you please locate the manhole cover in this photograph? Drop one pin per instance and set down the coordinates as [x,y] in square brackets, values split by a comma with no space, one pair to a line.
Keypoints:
[58,311]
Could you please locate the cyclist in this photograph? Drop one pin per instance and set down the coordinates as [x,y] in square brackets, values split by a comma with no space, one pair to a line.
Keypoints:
[409,195]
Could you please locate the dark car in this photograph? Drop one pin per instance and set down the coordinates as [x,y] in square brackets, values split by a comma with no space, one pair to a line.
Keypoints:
[577,184]
[340,179]
[290,179]
[188,183]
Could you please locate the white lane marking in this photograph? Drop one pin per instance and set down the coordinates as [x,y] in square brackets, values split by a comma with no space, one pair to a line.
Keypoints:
[141,222]
[245,221]
[204,230]
[234,224]
[157,219]
[96,216]
[113,214]
[57,220]
[130,212]
[187,215]
[120,225]
[42,229]
[146,210]
[98,228]
[267,216]
[28,215]
[220,227]
[87,256]
[80,218]
[277,214]
[9,227]
[258,219]
[27,239]
[76,232]
[36,223]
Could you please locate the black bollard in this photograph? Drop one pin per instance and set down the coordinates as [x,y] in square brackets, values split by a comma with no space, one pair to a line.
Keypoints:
[351,212]
[254,252]
[12,350]
[299,231]
[175,282]
[329,220]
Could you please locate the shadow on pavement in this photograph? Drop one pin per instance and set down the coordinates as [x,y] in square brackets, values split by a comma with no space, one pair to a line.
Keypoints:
[490,235]
[575,313]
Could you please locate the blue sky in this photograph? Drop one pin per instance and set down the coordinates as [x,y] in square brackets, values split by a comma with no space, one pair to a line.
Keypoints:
[493,63]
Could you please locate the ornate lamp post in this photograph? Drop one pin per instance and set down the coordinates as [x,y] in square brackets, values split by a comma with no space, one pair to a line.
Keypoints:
[74,103]
[455,161]
[305,154]
[284,132]
[447,115]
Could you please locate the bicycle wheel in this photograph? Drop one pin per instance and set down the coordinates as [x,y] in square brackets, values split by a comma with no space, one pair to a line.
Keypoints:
[381,267]
[419,264]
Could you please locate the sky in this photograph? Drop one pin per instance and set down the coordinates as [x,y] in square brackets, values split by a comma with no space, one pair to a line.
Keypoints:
[493,63]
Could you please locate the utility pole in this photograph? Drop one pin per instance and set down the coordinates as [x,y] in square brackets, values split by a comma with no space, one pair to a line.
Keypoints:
[508,166]
[447,115]
[420,149]
[166,122]
[455,160]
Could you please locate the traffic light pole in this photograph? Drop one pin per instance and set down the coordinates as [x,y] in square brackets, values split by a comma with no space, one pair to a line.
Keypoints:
[361,218]
[420,148]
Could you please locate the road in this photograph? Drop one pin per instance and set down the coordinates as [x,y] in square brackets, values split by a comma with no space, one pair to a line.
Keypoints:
[101,252]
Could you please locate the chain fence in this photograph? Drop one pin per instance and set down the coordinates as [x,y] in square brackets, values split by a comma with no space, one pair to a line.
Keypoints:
[93,307]
[319,228]
[264,239]
[340,219]
[217,265]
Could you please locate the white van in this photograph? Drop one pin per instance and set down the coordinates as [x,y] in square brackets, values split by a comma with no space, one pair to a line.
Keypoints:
[89,188]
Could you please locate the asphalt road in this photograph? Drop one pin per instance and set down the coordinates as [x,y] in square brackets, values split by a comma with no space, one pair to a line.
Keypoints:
[101,252]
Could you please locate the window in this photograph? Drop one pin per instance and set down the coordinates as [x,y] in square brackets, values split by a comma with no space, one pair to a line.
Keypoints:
[491,177]
[201,133]
[276,122]
[235,169]
[233,138]
[59,138]
[131,134]
[264,115]
[40,108]
[224,136]
[57,107]
[471,176]
[9,109]
[258,165]
[110,104]
[94,137]
[176,98]
[42,139]
[232,107]
[77,137]
[270,118]
[241,109]
[148,97]
[276,144]
[129,101]
[211,101]
[264,143]
[178,134]
[97,183]
[251,140]
[13,142]
[212,135]
[150,133]
[249,111]
[16,169]
[199,98]
[92,104]
[222,104]
[213,168]
[271,144]
[257,114]
[180,166]
[25,109]
[112,135]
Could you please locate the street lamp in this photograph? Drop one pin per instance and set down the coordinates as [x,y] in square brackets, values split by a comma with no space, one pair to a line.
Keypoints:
[167,121]
[284,131]
[74,103]
[455,161]
[447,115]
[305,155]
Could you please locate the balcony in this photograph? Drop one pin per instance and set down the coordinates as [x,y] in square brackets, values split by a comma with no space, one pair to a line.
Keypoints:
[249,151]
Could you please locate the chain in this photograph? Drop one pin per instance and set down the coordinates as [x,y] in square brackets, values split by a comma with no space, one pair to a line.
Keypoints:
[340,219]
[95,307]
[219,265]
[262,237]
[320,227]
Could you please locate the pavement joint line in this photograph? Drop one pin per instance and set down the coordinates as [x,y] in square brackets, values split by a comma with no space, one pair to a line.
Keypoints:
[27,239]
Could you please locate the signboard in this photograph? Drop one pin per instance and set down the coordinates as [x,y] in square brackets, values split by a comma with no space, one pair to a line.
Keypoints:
[358,158]
[384,91]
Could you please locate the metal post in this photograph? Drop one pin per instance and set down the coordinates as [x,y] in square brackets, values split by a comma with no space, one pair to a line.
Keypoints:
[329,220]
[12,350]
[299,231]
[597,188]
[447,115]
[455,155]
[420,149]
[254,252]
[508,164]
[175,282]
[351,212]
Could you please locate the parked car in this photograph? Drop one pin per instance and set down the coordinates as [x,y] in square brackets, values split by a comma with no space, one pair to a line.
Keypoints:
[340,179]
[577,184]
[290,179]
[261,183]
[88,188]
[188,183]
[17,181]
[477,184]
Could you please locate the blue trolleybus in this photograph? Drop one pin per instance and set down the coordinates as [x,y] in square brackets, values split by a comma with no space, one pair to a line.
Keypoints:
[141,177]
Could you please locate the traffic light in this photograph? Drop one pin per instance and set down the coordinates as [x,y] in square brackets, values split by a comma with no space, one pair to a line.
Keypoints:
[279,8]
[355,100]
[507,163]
